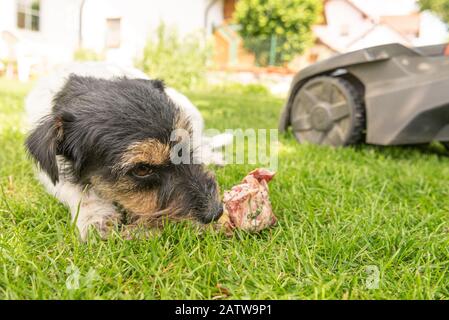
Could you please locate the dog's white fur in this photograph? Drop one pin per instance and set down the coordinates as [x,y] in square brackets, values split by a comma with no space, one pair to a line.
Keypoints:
[85,206]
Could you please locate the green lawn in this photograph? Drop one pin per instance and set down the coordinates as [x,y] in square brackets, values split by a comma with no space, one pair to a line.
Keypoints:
[340,212]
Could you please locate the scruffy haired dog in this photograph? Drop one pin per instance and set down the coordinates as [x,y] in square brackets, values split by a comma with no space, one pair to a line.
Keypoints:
[101,136]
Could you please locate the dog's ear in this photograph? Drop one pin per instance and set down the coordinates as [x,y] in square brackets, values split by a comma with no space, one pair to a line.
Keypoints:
[158,84]
[43,142]
[155,83]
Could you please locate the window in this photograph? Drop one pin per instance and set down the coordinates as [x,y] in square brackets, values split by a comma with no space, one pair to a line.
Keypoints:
[113,33]
[28,14]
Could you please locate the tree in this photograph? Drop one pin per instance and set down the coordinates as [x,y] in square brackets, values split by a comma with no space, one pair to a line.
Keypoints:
[280,28]
[439,7]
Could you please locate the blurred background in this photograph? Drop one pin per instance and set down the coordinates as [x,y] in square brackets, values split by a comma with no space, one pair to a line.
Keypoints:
[190,43]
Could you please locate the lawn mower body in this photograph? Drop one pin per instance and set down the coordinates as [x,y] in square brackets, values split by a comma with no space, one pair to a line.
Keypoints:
[405,91]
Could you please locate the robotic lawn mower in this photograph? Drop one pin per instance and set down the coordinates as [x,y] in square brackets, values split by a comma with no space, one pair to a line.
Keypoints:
[385,95]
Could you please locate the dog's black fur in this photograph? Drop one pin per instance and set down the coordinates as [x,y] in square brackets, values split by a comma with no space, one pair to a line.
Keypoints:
[92,124]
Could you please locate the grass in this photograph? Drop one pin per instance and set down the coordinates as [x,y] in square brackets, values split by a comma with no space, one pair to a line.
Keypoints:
[340,211]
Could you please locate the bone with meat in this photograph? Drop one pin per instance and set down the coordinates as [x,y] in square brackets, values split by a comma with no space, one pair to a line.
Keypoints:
[247,205]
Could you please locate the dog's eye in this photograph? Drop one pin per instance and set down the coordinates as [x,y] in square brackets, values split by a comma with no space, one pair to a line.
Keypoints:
[141,171]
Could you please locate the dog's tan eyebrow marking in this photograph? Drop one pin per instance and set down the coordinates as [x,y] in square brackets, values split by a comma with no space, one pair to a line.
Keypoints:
[150,151]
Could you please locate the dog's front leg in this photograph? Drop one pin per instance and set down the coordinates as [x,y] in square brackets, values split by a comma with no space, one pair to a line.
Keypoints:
[86,207]
[91,210]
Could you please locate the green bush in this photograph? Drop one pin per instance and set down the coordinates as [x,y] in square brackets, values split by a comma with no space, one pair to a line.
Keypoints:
[181,63]
[280,28]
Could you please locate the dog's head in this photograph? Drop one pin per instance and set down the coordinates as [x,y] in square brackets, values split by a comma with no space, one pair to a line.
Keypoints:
[115,135]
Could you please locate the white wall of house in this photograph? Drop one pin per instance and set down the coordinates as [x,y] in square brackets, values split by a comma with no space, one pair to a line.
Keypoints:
[344,23]
[432,30]
[58,29]
[340,13]
[215,15]
[379,35]
[139,19]
[52,44]
[378,8]
[7,9]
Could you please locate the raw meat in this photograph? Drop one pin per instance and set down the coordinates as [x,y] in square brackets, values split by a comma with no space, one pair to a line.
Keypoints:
[247,205]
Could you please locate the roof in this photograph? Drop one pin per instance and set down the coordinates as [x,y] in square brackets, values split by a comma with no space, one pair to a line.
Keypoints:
[375,9]
[407,25]
[394,22]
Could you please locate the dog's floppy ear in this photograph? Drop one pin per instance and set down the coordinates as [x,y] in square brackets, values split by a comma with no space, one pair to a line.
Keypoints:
[42,145]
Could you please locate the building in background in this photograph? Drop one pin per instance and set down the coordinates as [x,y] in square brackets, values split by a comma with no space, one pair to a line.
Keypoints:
[350,25]
[36,35]
[39,34]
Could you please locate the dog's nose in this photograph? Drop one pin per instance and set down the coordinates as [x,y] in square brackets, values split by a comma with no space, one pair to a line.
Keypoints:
[213,215]
[218,213]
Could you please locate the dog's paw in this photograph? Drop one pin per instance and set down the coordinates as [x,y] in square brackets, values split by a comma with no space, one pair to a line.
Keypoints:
[104,227]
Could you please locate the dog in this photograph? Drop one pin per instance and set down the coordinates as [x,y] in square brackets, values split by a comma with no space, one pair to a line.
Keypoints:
[101,136]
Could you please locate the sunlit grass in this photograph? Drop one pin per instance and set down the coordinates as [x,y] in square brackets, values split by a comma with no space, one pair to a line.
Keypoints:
[339,210]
